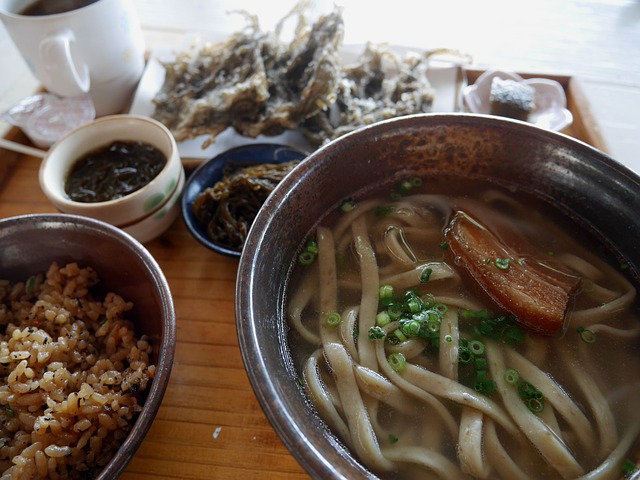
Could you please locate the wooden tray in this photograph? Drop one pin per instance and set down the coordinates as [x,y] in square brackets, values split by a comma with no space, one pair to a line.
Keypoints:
[585,126]
[210,424]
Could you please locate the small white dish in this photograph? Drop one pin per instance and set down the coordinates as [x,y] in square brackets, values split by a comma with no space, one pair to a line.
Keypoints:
[144,213]
[550,109]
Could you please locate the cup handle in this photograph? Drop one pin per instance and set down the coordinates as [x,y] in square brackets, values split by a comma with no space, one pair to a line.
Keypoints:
[67,77]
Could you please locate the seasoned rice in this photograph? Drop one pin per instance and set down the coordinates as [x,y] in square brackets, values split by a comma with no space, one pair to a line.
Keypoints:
[72,372]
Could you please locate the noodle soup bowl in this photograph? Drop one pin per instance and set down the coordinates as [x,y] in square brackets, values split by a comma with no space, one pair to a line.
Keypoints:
[29,244]
[582,183]
[144,213]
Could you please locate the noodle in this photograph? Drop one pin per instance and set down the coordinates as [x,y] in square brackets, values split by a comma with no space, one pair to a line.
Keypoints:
[415,382]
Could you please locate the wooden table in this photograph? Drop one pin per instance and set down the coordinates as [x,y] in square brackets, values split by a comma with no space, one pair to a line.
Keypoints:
[210,424]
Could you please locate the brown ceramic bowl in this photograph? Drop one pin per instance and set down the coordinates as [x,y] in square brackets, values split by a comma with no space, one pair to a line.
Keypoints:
[579,179]
[30,243]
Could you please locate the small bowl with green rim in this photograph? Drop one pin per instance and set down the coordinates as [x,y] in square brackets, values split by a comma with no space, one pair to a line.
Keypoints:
[145,212]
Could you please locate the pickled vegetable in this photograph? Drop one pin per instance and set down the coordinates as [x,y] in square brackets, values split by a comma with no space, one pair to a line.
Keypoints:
[228,209]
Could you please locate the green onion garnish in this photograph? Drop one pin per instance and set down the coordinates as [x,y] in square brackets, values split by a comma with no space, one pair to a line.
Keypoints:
[535,405]
[306,258]
[476,347]
[586,335]
[383,319]
[628,467]
[347,205]
[426,273]
[464,355]
[502,263]
[397,361]
[386,291]
[332,319]
[511,376]
[376,333]
[383,211]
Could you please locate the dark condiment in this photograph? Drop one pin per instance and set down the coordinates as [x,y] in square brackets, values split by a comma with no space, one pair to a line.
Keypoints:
[228,209]
[51,7]
[114,171]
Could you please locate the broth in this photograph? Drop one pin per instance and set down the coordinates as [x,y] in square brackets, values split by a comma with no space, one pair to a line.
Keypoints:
[436,378]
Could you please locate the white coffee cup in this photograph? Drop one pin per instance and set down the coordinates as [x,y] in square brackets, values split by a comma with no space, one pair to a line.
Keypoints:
[96,49]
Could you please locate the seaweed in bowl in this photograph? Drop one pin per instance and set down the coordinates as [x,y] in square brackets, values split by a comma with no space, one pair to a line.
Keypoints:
[224,194]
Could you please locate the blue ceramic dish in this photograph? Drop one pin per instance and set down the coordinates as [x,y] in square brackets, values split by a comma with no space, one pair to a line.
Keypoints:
[210,172]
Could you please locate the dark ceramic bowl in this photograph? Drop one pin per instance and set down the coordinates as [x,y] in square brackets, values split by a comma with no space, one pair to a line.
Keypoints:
[581,180]
[30,243]
[211,172]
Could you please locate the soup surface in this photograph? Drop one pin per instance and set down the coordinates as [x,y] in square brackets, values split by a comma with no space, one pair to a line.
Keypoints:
[472,334]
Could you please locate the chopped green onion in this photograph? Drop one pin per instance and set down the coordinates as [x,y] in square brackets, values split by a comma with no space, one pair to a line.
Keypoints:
[535,405]
[448,338]
[441,308]
[332,319]
[482,314]
[9,411]
[415,182]
[411,328]
[103,320]
[397,361]
[480,363]
[414,305]
[628,467]
[586,335]
[405,186]
[306,258]
[511,376]
[476,347]
[444,245]
[502,263]
[376,333]
[400,335]
[433,325]
[393,438]
[383,211]
[312,246]
[426,273]
[347,205]
[395,311]
[386,291]
[383,319]
[486,387]
[526,390]
[464,355]
[513,335]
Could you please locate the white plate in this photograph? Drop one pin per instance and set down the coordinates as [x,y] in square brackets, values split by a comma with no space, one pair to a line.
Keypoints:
[445,76]
[550,100]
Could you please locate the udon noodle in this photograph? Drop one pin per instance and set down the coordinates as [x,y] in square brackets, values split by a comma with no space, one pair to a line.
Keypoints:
[421,375]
